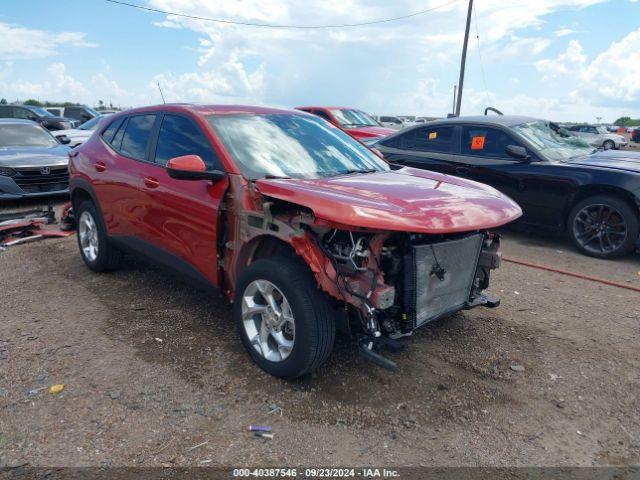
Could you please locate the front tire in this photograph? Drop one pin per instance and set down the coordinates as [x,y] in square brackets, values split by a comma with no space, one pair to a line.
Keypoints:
[609,145]
[284,321]
[604,226]
[96,250]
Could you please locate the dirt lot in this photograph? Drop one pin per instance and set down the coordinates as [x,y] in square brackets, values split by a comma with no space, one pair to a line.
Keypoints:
[155,375]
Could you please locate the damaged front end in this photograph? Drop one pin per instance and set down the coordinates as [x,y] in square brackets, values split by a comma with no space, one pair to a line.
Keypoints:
[394,282]
[385,284]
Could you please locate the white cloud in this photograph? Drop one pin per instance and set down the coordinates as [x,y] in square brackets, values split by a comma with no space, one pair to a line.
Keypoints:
[17,42]
[612,78]
[57,83]
[563,32]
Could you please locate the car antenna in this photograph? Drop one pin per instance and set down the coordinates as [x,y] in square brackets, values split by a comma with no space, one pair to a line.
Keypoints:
[161,94]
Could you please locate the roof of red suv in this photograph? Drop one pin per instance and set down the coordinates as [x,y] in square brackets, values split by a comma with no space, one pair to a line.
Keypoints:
[213,109]
[328,108]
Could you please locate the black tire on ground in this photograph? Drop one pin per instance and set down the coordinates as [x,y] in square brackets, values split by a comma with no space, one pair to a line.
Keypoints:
[311,308]
[609,145]
[108,257]
[629,217]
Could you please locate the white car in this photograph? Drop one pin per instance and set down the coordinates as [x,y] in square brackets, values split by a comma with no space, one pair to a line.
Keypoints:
[78,136]
[598,136]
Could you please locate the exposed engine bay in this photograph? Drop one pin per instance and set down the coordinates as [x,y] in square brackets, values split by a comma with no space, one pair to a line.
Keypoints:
[385,284]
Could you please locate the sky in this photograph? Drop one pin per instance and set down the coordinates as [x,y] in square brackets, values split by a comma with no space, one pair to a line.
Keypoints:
[565,60]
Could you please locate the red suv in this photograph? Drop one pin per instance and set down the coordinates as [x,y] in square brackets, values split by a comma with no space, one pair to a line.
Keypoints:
[356,123]
[303,228]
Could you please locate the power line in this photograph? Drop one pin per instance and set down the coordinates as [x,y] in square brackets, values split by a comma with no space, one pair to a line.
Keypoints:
[270,25]
[484,78]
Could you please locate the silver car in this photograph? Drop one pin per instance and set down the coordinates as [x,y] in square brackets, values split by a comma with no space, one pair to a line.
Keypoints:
[598,136]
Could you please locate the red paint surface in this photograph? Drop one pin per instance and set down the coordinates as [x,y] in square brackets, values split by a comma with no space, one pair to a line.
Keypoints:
[359,133]
[403,200]
[190,163]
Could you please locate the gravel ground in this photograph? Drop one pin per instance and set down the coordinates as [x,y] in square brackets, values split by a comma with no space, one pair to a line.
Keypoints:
[154,374]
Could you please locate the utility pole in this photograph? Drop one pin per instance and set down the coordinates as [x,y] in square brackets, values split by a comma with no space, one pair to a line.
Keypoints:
[464,59]
[453,109]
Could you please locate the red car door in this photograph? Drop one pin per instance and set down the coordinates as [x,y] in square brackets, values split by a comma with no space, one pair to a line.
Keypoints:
[179,217]
[117,173]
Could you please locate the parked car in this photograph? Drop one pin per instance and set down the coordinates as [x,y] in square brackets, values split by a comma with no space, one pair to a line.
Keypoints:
[635,135]
[80,113]
[32,162]
[37,114]
[560,183]
[598,136]
[393,123]
[356,123]
[296,222]
[77,136]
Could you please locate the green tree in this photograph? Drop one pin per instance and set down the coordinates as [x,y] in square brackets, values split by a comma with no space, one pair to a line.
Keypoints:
[33,102]
[3,101]
[622,121]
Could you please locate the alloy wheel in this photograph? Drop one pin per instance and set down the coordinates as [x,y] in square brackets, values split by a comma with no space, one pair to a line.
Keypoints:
[268,320]
[88,234]
[600,228]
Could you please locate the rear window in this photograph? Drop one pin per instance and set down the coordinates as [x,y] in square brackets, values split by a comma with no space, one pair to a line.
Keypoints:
[424,139]
[111,130]
[136,136]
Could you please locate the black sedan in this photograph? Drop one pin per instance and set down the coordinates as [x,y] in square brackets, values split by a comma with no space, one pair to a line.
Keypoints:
[32,162]
[559,181]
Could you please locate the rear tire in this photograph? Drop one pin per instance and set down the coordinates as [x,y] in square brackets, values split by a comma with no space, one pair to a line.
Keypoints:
[604,226]
[304,341]
[96,250]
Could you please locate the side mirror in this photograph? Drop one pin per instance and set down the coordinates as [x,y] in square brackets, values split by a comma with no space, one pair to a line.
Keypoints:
[64,140]
[517,152]
[192,167]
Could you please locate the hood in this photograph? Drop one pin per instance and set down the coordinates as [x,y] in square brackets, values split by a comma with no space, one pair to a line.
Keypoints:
[611,159]
[369,132]
[16,157]
[407,200]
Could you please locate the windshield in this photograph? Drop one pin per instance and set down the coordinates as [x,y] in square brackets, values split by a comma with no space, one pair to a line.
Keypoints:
[91,124]
[25,136]
[41,111]
[353,118]
[601,129]
[288,145]
[550,144]
[92,111]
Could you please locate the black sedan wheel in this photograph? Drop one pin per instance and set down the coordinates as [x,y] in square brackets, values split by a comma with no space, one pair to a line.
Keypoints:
[604,226]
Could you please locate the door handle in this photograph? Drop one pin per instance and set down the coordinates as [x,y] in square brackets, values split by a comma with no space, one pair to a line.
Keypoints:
[151,182]
[100,166]
[462,170]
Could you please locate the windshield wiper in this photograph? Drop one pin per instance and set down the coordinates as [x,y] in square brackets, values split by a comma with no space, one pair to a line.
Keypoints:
[276,177]
[352,171]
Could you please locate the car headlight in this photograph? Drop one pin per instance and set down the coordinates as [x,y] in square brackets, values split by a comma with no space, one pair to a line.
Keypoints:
[7,172]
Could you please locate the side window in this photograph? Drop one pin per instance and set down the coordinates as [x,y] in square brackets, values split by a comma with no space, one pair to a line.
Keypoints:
[21,113]
[136,136]
[322,114]
[72,112]
[485,142]
[433,139]
[180,136]
[111,130]
[54,111]
[6,112]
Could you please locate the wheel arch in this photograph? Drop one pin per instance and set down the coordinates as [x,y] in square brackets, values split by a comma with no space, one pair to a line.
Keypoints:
[587,191]
[261,246]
